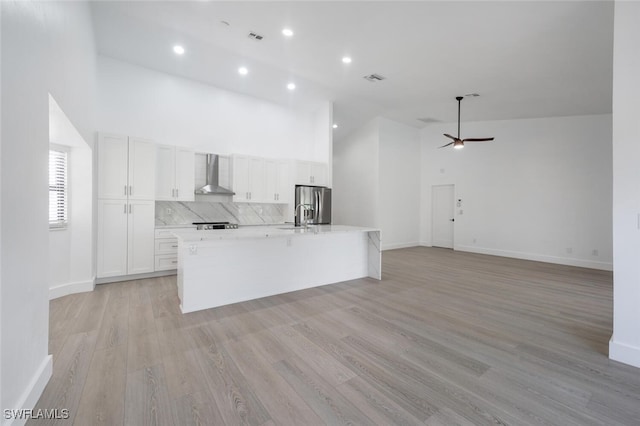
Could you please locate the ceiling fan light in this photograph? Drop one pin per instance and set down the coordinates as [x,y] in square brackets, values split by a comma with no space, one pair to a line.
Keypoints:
[458,144]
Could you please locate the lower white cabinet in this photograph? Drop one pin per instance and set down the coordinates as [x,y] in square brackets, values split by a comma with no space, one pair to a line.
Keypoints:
[125,237]
[166,250]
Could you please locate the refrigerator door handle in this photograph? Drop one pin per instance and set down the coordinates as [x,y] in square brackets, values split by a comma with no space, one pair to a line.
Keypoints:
[318,206]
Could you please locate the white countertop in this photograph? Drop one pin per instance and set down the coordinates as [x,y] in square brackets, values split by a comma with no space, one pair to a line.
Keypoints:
[257,231]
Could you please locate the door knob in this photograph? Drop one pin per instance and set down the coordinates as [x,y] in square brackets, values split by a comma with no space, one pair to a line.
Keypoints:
[452,220]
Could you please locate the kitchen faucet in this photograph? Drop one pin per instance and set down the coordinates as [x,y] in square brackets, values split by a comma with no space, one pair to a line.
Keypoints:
[305,215]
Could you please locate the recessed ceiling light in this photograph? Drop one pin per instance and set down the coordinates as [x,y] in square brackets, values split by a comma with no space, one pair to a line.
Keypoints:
[346,60]
[243,71]
[335,126]
[291,86]
[287,32]
[179,50]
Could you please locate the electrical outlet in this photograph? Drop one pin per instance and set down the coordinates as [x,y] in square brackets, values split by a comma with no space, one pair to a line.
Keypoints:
[168,211]
[288,242]
[193,249]
[594,252]
[474,241]
[569,250]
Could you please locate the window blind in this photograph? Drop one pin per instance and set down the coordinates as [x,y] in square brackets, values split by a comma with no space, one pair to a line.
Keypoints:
[57,189]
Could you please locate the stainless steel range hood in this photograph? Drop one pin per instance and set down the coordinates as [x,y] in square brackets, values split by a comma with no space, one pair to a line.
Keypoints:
[213,174]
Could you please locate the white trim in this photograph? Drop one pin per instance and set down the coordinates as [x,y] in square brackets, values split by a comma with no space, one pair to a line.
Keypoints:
[71,288]
[32,394]
[605,266]
[105,280]
[399,245]
[624,353]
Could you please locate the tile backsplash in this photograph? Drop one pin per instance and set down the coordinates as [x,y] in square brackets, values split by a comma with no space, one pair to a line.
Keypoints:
[184,213]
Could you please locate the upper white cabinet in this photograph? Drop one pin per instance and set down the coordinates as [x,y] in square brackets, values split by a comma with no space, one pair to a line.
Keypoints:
[278,182]
[311,173]
[126,168]
[175,173]
[113,166]
[248,179]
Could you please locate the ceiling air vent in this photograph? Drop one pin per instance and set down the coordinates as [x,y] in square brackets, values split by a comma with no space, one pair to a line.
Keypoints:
[255,36]
[428,120]
[374,77]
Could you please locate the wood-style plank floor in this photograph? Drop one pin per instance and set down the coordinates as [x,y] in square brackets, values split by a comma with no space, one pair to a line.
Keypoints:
[446,338]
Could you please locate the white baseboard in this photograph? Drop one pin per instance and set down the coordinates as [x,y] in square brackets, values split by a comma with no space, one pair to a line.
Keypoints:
[32,394]
[399,245]
[71,288]
[605,266]
[106,280]
[624,353]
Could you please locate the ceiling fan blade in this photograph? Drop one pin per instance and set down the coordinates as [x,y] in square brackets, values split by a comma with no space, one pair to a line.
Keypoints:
[450,137]
[477,139]
[450,143]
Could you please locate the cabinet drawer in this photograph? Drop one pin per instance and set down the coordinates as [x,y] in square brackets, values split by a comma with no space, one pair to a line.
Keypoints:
[164,233]
[167,246]
[165,262]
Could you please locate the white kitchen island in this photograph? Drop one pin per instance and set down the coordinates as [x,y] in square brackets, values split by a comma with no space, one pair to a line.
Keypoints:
[220,267]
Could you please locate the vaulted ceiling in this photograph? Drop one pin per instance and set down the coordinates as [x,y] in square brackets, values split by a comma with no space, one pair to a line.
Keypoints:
[525,59]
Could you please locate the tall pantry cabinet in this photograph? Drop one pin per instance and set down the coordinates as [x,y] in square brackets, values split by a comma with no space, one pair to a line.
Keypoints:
[126,206]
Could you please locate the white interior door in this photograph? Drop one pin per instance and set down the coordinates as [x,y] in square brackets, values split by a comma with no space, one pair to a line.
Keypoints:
[442,198]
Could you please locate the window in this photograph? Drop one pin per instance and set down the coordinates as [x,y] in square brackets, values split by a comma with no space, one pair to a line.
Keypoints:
[57,188]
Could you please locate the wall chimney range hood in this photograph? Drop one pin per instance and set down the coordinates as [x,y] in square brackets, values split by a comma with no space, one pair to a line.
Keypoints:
[212,186]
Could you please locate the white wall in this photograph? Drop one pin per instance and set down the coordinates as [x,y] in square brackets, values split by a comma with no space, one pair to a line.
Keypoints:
[625,342]
[356,193]
[399,184]
[540,190]
[47,47]
[71,268]
[376,177]
[171,110]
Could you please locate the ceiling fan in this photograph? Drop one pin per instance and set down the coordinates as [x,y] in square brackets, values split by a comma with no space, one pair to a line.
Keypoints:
[457,142]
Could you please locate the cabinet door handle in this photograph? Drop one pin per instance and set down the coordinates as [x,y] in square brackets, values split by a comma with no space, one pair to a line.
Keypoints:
[130,190]
[177,193]
[129,208]
[174,261]
[175,246]
[125,208]
[125,190]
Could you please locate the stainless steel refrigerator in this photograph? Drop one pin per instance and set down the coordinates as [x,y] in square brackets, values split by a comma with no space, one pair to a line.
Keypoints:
[313,205]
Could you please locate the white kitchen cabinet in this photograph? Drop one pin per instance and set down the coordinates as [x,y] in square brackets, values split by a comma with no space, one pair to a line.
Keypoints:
[311,173]
[125,237]
[166,250]
[248,179]
[175,173]
[277,182]
[140,242]
[112,238]
[126,168]
[142,169]
[113,169]
[126,206]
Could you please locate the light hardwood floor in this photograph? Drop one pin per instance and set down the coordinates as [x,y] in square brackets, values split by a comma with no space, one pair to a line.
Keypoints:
[446,338]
